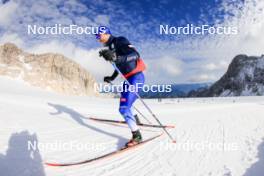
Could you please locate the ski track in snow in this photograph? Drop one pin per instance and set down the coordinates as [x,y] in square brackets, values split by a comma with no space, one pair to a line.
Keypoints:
[28,113]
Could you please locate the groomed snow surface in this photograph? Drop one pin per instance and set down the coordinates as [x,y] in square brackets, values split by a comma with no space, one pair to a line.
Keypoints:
[215,136]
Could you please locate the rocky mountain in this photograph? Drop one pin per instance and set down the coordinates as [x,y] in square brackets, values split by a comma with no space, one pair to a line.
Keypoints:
[244,77]
[49,71]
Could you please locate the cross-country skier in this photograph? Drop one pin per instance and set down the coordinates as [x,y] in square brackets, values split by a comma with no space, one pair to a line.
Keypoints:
[128,61]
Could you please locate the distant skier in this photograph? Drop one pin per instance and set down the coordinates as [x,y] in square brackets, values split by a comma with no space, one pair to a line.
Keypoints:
[128,61]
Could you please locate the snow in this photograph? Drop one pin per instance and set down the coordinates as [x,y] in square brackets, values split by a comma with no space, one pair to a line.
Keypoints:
[260,63]
[215,136]
[3,65]
[246,71]
[226,93]
[247,91]
[21,58]
[27,66]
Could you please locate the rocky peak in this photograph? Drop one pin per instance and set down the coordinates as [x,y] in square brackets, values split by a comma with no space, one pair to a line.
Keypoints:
[9,53]
[245,76]
[49,71]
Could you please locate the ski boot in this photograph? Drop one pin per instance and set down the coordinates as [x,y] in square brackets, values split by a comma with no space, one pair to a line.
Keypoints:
[137,119]
[136,138]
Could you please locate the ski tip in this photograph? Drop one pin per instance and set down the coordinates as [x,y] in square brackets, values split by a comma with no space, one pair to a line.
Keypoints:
[52,164]
[170,126]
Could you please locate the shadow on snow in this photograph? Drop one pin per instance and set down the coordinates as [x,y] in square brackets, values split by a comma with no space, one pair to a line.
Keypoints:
[79,118]
[19,159]
[257,169]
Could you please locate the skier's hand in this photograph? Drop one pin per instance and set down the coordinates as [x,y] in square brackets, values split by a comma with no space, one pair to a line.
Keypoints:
[108,79]
[107,54]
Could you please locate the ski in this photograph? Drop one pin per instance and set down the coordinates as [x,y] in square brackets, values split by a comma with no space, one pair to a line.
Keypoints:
[124,122]
[116,152]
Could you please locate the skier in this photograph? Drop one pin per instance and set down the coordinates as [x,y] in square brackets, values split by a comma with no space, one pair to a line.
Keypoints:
[128,61]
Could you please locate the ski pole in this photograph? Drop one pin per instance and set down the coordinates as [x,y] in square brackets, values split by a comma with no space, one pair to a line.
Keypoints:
[135,108]
[143,102]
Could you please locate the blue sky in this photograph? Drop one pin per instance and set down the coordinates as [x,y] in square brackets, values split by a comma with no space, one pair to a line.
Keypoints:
[170,58]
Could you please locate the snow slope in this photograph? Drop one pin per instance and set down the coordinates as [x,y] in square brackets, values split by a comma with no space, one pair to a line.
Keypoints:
[215,136]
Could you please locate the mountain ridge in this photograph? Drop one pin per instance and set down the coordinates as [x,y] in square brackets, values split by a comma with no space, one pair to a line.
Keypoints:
[244,77]
[50,71]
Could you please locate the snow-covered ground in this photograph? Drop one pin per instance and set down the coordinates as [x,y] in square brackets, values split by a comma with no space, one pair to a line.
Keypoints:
[215,136]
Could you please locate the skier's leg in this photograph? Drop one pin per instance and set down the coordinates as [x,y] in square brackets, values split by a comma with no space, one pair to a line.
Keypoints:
[128,98]
[126,101]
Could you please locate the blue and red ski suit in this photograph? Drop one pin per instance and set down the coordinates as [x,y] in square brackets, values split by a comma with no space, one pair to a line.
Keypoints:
[130,64]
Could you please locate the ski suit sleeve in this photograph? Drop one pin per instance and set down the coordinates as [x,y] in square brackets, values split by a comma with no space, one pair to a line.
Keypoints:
[114,75]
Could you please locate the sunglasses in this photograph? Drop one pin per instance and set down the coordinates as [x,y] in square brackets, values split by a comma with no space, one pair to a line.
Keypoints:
[98,36]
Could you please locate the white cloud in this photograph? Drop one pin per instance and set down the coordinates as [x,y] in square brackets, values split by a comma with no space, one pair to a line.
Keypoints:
[7,11]
[202,78]
[171,66]
[102,19]
[165,67]
[11,37]
[210,66]
[216,66]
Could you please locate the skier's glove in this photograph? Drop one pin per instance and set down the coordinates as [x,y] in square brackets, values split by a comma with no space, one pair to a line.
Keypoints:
[107,54]
[108,79]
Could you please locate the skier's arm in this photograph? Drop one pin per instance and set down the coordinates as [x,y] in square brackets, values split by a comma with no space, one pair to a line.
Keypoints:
[114,75]
[109,79]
